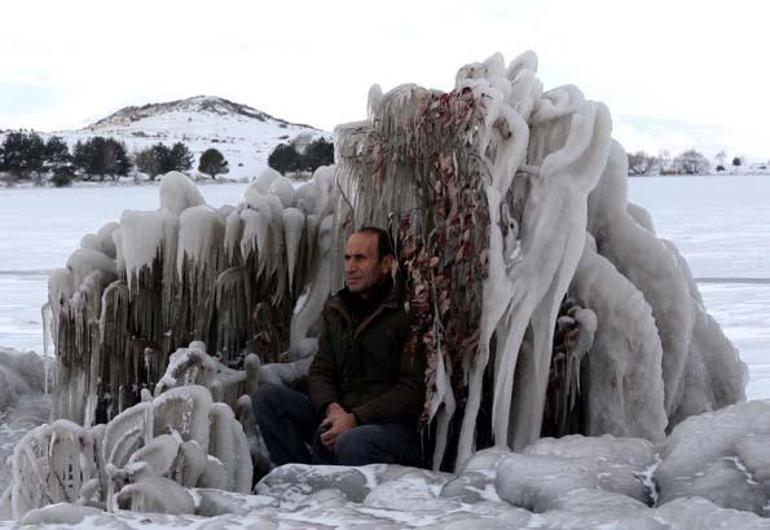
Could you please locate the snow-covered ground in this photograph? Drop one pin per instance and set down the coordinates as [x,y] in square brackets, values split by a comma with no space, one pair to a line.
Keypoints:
[720,224]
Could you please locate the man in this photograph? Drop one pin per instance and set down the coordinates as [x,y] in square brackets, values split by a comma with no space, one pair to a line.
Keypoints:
[366,391]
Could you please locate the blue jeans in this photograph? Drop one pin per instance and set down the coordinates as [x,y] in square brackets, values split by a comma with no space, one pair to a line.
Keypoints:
[290,429]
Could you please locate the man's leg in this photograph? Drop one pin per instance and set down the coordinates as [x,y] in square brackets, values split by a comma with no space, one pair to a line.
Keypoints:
[287,421]
[390,443]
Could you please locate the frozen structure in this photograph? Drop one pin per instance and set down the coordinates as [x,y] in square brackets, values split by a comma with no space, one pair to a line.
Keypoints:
[509,207]
[146,458]
[544,300]
[230,277]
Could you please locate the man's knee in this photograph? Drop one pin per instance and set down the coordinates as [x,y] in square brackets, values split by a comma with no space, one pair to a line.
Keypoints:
[359,446]
[267,398]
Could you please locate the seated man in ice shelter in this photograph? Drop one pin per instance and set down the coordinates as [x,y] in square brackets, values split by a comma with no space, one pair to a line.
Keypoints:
[366,392]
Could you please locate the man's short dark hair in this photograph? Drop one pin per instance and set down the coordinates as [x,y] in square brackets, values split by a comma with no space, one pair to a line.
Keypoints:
[384,245]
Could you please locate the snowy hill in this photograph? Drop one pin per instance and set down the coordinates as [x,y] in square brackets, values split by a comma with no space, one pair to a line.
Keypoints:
[244,135]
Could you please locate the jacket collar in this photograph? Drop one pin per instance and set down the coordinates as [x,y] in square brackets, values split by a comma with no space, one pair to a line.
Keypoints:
[344,301]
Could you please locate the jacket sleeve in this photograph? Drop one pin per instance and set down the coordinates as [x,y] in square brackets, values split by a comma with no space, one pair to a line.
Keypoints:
[321,380]
[404,401]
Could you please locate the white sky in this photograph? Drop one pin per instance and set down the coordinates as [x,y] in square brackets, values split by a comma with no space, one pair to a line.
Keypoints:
[66,63]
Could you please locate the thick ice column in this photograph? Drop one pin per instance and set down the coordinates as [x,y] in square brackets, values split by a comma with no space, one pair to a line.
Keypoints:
[650,265]
[625,384]
[294,233]
[715,376]
[507,136]
[553,233]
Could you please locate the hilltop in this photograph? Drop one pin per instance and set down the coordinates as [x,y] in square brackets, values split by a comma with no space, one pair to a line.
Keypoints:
[243,134]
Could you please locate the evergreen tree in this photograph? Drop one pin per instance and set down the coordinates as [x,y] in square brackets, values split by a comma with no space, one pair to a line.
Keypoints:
[57,153]
[101,156]
[159,159]
[163,156]
[285,158]
[212,163]
[58,161]
[318,153]
[22,153]
[147,162]
[180,157]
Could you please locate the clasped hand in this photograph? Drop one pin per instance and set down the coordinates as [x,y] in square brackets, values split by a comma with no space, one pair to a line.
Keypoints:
[337,421]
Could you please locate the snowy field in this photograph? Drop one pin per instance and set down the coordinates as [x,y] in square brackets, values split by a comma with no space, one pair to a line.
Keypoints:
[720,224]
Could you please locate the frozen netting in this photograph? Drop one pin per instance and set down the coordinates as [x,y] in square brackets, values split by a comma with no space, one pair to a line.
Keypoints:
[545,302]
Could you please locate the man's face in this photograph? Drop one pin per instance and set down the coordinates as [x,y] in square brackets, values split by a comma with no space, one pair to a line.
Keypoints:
[363,268]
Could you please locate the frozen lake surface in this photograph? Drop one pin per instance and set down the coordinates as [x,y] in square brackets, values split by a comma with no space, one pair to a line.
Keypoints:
[720,224]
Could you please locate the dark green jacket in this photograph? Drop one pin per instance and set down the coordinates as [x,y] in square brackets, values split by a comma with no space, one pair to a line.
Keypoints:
[361,363]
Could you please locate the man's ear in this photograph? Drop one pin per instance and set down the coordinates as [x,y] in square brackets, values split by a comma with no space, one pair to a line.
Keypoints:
[387,265]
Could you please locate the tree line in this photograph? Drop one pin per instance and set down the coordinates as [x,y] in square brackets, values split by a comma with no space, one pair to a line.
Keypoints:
[689,162]
[26,156]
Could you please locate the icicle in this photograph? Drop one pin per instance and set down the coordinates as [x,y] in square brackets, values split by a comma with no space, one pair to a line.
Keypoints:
[443,398]
[46,315]
[233,303]
[199,260]
[309,307]
[111,368]
[294,224]
[496,299]
[232,239]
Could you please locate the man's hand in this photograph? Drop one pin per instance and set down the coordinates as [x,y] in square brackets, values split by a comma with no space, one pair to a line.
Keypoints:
[337,421]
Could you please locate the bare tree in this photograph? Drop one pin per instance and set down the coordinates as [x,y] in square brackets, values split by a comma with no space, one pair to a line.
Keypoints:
[640,163]
[720,158]
[691,162]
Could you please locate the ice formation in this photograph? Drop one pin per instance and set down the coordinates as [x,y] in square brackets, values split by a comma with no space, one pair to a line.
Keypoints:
[543,299]
[711,472]
[491,191]
[146,458]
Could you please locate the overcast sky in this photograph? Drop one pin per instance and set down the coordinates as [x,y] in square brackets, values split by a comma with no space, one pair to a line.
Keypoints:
[699,63]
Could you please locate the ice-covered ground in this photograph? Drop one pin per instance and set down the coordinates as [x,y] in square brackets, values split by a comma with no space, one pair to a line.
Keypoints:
[721,225]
